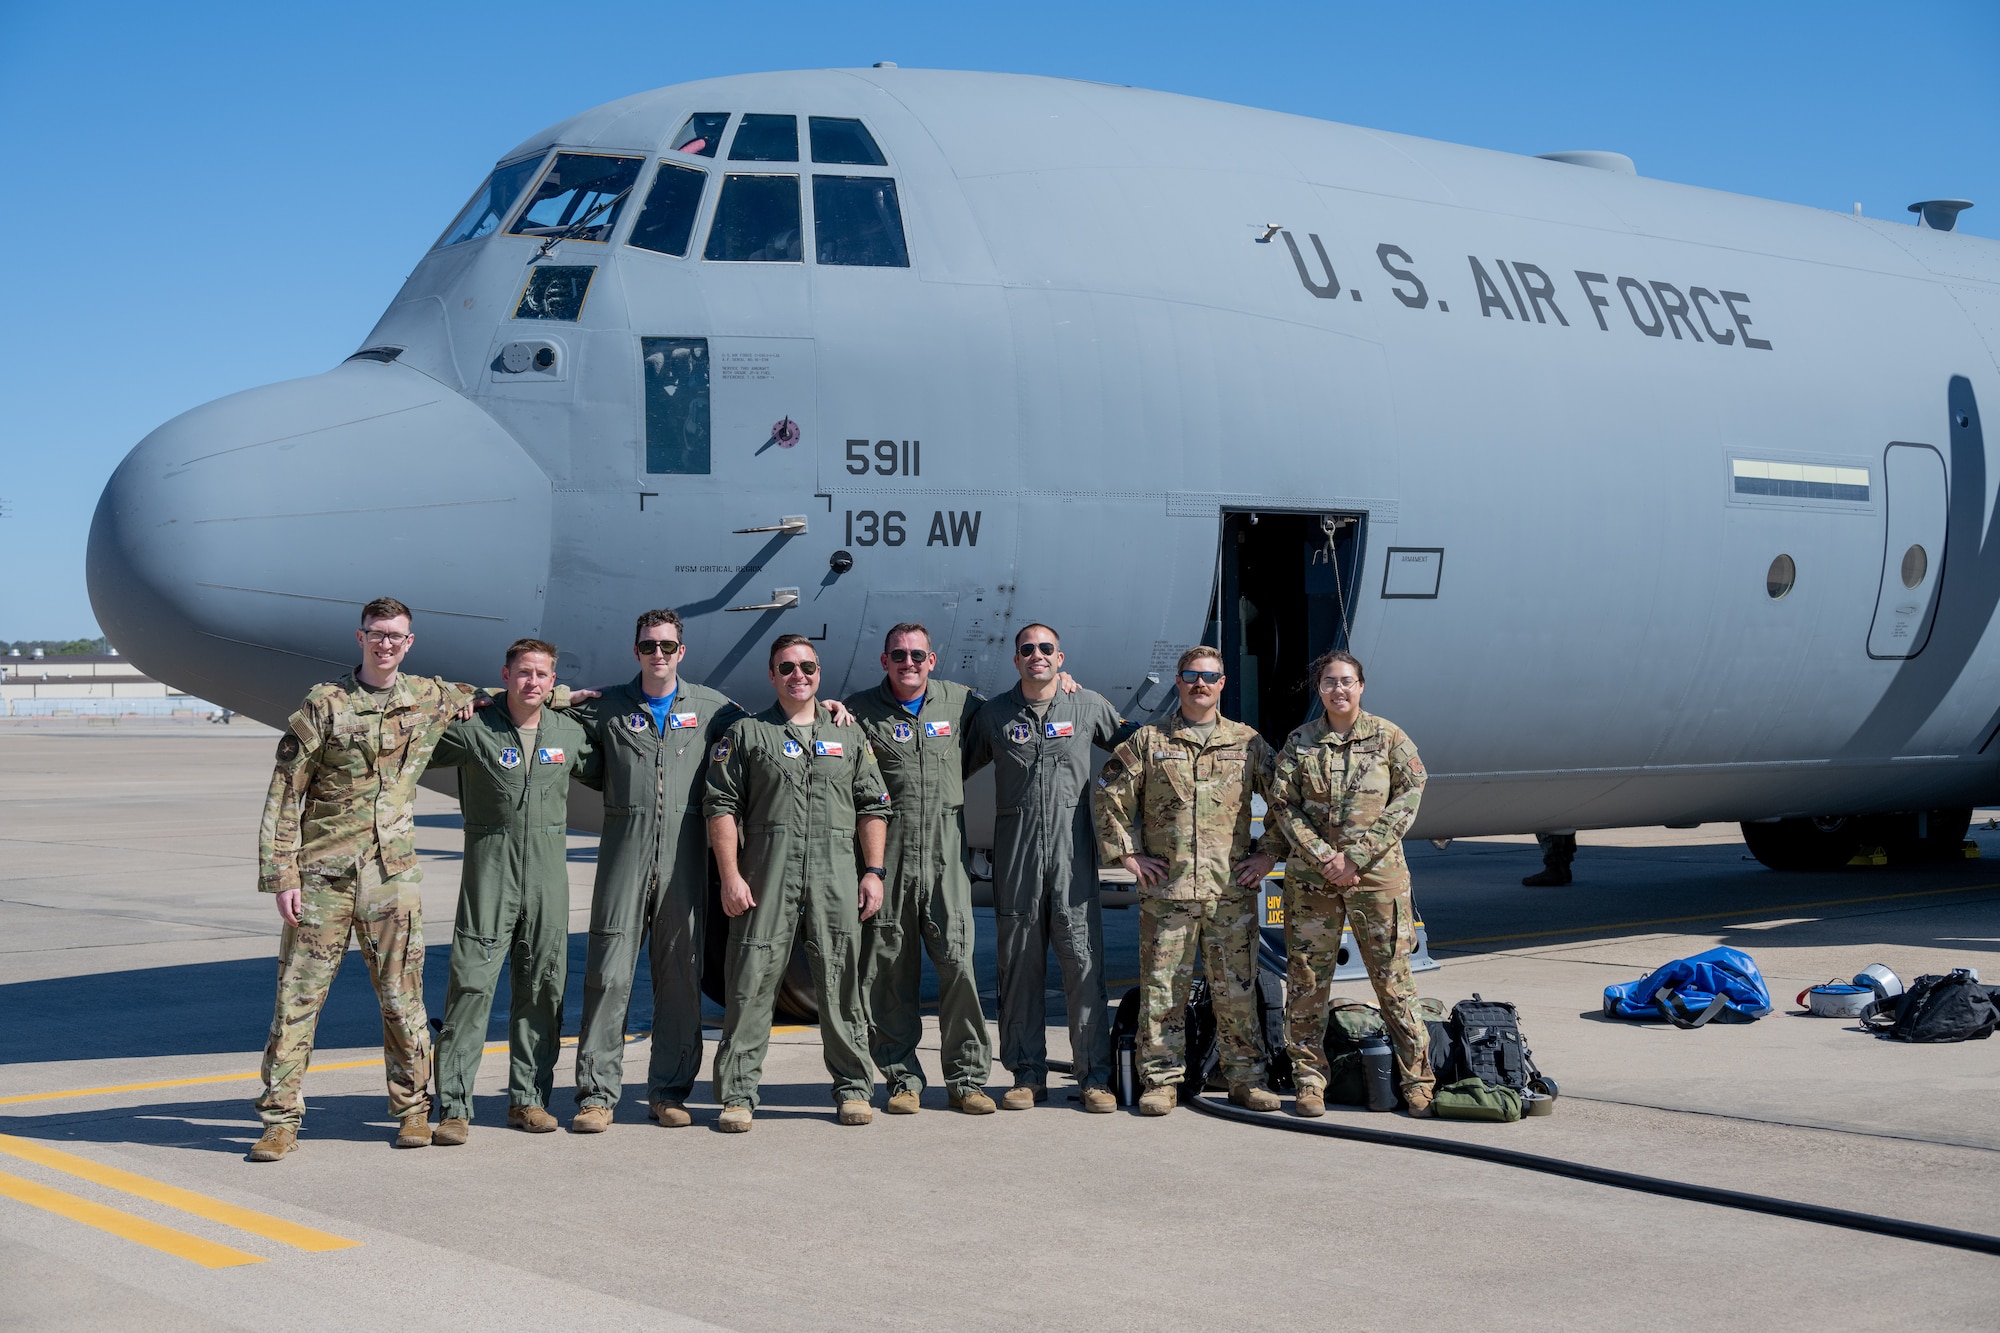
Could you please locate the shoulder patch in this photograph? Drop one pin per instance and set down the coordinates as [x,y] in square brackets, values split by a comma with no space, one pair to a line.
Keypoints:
[720,751]
[288,748]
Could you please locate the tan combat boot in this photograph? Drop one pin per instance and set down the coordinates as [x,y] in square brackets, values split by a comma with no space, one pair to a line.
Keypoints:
[1252,1097]
[734,1120]
[1160,1100]
[415,1131]
[534,1119]
[451,1131]
[277,1141]
[1421,1104]
[1024,1096]
[972,1101]
[854,1111]
[669,1115]
[1099,1101]
[906,1102]
[1311,1101]
[591,1120]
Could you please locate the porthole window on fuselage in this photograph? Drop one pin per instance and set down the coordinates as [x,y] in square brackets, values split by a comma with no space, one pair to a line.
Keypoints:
[761,138]
[1916,564]
[579,197]
[1779,578]
[666,223]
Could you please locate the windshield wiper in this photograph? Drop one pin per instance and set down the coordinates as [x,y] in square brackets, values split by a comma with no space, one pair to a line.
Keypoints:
[581,225]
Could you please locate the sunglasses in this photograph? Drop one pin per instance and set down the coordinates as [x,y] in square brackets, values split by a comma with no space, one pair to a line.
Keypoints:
[1205,677]
[1034,650]
[917,655]
[647,647]
[803,668]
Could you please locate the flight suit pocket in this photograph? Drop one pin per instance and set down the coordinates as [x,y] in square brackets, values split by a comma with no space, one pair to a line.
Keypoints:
[1179,773]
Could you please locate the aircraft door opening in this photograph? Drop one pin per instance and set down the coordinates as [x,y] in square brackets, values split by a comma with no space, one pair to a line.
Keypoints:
[1917,502]
[1286,593]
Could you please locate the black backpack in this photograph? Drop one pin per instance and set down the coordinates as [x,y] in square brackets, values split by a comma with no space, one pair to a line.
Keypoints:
[1486,1043]
[1204,1055]
[1953,1007]
[1271,1032]
[1442,1051]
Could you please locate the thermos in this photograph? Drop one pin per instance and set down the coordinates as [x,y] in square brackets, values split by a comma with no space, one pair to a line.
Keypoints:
[1378,1072]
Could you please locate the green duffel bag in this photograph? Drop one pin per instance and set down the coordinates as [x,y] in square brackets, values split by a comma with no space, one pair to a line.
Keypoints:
[1476,1099]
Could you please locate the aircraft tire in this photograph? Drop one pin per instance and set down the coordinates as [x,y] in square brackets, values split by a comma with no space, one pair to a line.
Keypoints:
[795,993]
[1805,844]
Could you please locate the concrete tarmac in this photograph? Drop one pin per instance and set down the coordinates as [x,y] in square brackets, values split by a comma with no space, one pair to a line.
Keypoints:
[136,982]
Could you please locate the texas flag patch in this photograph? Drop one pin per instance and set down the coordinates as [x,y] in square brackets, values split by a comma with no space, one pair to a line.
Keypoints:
[1058,729]
[831,749]
[937,728]
[680,721]
[547,755]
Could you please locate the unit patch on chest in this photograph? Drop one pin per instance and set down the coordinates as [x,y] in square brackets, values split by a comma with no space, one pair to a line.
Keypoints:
[793,749]
[937,728]
[548,755]
[638,721]
[510,758]
[1056,730]
[827,749]
[902,731]
[680,721]
[1018,732]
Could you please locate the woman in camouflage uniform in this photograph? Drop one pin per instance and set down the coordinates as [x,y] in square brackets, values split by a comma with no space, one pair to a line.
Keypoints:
[1346,792]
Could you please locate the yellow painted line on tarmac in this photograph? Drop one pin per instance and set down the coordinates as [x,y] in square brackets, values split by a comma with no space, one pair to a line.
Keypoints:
[1706,916]
[215,1210]
[124,1225]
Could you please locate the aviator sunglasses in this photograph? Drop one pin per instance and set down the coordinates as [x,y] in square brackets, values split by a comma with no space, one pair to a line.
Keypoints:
[1205,677]
[803,668]
[917,655]
[1034,650]
[647,647]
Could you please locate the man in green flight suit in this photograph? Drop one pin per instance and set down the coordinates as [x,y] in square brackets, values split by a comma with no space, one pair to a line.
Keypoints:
[793,797]
[653,737]
[515,763]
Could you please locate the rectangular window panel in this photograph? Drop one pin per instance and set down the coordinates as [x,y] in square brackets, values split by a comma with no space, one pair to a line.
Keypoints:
[490,204]
[702,134]
[579,197]
[757,220]
[766,139]
[1799,481]
[857,220]
[555,291]
[666,224]
[844,143]
[676,404]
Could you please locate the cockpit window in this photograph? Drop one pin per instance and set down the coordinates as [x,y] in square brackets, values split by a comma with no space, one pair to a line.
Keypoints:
[844,143]
[766,139]
[757,220]
[857,220]
[489,204]
[702,134]
[667,221]
[579,197]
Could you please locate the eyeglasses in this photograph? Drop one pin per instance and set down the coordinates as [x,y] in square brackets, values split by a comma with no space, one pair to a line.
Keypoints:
[647,647]
[1339,683]
[387,638]
[803,668]
[1034,650]
[1205,677]
[917,655]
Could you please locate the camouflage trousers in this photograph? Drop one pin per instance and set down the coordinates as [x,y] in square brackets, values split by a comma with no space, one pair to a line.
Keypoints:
[386,917]
[1385,933]
[1224,932]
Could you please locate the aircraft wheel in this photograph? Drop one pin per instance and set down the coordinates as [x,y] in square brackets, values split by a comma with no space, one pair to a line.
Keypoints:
[1944,833]
[1825,843]
[795,993]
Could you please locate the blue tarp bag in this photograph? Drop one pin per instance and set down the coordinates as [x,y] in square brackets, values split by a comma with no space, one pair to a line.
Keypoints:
[1722,984]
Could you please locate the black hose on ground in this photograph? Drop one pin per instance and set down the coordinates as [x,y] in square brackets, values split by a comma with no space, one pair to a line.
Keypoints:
[1601,1175]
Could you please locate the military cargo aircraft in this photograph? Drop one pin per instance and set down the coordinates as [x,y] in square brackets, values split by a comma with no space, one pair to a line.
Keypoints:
[1643,503]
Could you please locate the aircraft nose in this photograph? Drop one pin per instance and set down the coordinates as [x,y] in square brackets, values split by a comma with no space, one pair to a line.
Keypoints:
[233,549]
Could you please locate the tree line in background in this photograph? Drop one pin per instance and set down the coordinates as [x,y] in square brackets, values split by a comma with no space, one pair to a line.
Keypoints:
[59,647]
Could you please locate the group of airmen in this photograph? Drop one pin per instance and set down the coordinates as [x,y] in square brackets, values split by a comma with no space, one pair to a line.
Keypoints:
[844,822]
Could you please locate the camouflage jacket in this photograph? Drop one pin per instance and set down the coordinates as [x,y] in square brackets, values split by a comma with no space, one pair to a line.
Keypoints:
[346,779]
[1190,801]
[1356,795]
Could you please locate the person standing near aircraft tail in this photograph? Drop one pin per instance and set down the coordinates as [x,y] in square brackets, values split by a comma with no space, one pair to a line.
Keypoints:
[653,736]
[1186,784]
[919,727]
[788,801]
[1038,740]
[337,845]
[514,764]
[1347,788]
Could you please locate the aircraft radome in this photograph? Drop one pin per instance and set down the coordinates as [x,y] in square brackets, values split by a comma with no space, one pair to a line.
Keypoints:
[1643,503]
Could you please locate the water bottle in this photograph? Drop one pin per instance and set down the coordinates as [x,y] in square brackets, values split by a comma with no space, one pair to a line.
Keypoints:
[1378,1072]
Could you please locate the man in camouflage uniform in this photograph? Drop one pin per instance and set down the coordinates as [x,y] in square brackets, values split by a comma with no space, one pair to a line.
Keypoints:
[790,802]
[920,727]
[1186,784]
[338,848]
[1346,792]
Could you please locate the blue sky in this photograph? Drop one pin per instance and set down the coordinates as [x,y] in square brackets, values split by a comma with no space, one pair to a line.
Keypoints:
[237,191]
